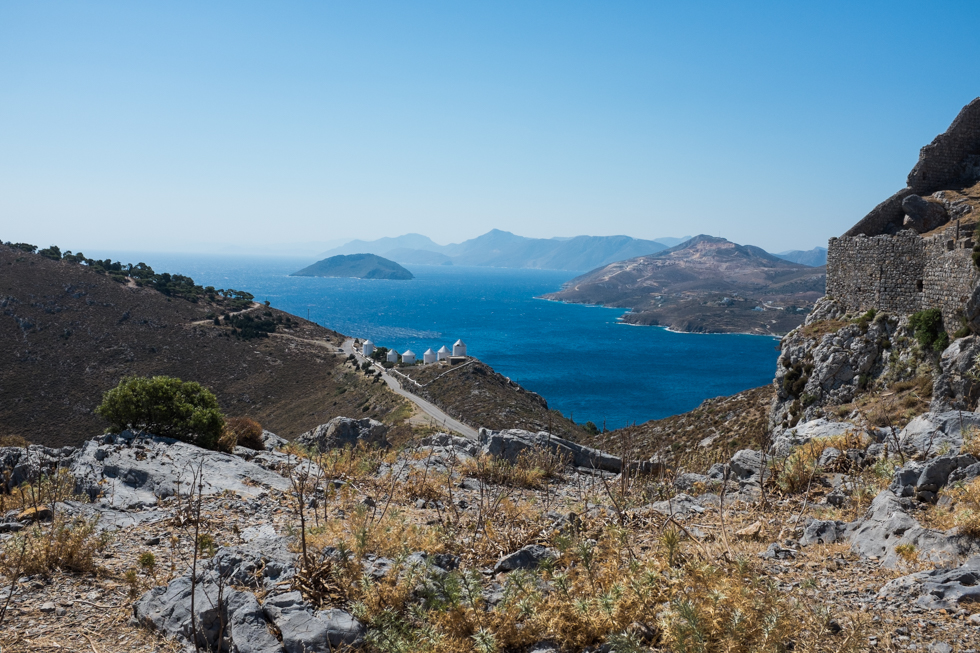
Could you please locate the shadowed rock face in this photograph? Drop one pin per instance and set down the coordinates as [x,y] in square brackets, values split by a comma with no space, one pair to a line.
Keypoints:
[922,215]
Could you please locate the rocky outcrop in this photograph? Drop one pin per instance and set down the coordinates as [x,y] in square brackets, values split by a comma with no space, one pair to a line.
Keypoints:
[932,433]
[815,370]
[509,444]
[956,386]
[345,432]
[922,215]
[130,471]
[784,441]
[939,589]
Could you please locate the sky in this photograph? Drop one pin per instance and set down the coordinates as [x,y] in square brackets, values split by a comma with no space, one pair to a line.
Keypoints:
[282,126]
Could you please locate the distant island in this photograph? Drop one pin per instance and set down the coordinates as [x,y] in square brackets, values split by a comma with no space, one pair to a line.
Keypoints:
[356,266]
[704,285]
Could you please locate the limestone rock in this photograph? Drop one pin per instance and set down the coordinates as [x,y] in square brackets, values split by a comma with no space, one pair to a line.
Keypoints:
[786,440]
[939,589]
[527,558]
[746,465]
[931,432]
[923,215]
[681,505]
[343,432]
[954,388]
[821,531]
[509,444]
[307,631]
[130,471]
[888,524]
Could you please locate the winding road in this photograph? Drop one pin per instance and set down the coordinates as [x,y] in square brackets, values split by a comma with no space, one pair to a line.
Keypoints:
[429,409]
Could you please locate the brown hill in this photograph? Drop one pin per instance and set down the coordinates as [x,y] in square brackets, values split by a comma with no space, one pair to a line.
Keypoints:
[68,333]
[479,396]
[706,284]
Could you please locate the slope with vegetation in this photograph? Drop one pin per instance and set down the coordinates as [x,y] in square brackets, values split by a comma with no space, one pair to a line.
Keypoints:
[70,330]
[707,285]
[356,266]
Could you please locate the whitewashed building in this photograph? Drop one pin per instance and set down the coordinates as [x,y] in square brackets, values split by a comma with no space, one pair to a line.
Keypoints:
[459,349]
[429,356]
[443,353]
[392,356]
[367,348]
[408,357]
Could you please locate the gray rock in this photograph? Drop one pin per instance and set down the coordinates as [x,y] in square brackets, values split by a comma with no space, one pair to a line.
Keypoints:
[829,457]
[687,482]
[746,466]
[888,524]
[820,531]
[271,441]
[509,444]
[344,432]
[230,614]
[776,552]
[681,505]
[718,471]
[938,589]
[954,388]
[964,474]
[923,215]
[930,432]
[527,558]
[307,631]
[785,441]
[936,472]
[132,472]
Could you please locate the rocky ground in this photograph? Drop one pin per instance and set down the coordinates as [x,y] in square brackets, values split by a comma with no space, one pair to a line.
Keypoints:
[853,539]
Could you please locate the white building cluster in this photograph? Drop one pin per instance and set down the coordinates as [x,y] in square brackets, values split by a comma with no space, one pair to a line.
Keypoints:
[408,357]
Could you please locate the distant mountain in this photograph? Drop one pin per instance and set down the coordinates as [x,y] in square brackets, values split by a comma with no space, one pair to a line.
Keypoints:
[407,256]
[356,266]
[706,284]
[382,246]
[502,249]
[813,257]
[672,242]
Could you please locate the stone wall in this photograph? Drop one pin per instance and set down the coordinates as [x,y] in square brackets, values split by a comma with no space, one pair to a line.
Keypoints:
[904,273]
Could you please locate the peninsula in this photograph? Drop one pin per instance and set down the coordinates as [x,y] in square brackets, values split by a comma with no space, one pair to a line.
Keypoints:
[356,266]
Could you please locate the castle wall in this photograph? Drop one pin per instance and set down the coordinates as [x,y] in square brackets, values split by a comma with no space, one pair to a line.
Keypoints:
[904,273]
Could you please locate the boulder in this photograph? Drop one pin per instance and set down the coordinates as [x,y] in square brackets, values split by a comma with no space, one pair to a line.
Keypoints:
[938,589]
[954,388]
[888,524]
[344,432]
[130,471]
[688,481]
[821,531]
[682,505]
[305,630]
[787,440]
[509,444]
[530,557]
[923,215]
[271,441]
[746,466]
[930,432]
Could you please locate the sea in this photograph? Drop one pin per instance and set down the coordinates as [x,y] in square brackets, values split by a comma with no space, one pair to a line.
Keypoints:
[582,359]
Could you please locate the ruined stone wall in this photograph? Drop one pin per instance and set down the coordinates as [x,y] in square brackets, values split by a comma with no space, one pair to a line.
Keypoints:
[904,273]
[881,272]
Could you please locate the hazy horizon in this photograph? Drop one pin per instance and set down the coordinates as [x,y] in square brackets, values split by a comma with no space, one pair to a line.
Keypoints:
[182,127]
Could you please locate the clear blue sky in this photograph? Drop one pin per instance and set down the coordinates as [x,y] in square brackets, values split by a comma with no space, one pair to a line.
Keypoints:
[171,126]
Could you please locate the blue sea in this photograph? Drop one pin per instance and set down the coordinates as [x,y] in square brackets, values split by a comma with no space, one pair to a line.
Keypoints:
[580,358]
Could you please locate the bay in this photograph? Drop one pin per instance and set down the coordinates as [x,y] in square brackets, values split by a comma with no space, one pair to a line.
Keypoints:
[580,358]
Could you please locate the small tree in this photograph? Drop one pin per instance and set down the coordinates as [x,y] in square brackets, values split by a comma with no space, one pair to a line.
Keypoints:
[164,406]
[928,328]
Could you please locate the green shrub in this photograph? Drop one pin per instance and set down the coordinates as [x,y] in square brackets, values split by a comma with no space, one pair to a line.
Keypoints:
[164,406]
[928,328]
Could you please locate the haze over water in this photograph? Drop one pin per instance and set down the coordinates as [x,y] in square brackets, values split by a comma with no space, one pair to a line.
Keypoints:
[578,357]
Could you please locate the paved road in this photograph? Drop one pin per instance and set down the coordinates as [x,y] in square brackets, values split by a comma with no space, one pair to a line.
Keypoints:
[429,409]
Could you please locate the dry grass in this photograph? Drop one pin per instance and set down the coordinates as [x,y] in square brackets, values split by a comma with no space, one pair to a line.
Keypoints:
[533,469]
[796,472]
[240,432]
[821,328]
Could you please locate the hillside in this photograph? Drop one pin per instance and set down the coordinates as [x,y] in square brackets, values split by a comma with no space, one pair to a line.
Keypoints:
[705,285]
[479,396]
[502,249]
[356,266]
[68,334]
[812,257]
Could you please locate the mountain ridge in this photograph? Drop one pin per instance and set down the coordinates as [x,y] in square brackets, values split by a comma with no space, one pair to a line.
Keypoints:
[707,285]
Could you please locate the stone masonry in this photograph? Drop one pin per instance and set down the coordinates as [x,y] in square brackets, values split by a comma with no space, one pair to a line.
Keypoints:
[904,273]
[879,264]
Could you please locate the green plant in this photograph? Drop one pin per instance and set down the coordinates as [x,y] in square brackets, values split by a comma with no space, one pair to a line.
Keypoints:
[908,552]
[927,326]
[164,406]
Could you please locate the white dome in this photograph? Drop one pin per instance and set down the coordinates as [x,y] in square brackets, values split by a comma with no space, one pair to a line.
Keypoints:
[368,342]
[408,352]
[428,351]
[443,350]
[459,342]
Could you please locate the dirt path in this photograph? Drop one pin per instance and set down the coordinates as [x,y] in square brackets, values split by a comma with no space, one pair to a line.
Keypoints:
[429,409]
